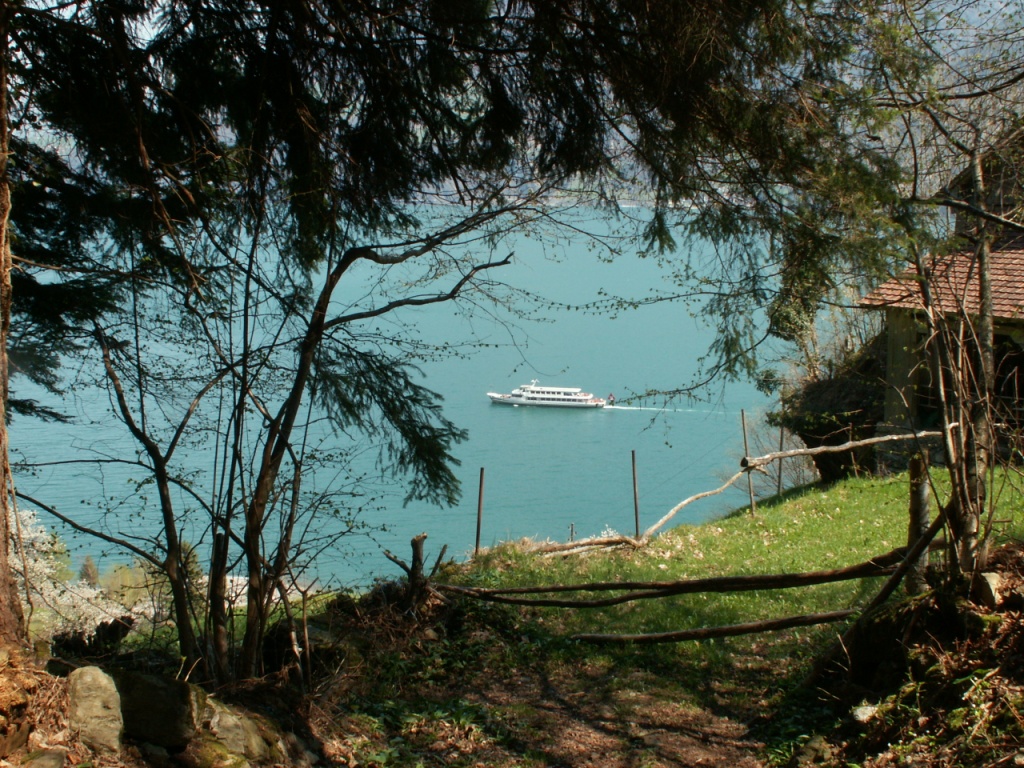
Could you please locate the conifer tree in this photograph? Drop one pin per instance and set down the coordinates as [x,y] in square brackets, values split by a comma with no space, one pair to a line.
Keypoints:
[90,572]
[156,137]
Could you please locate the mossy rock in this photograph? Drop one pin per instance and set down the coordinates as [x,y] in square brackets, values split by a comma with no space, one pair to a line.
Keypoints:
[209,752]
[241,733]
[976,624]
[924,663]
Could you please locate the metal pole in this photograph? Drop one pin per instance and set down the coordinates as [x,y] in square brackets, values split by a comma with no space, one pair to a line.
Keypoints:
[479,512]
[746,452]
[636,497]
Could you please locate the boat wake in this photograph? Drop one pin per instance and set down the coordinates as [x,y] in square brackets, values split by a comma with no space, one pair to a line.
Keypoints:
[658,410]
[632,408]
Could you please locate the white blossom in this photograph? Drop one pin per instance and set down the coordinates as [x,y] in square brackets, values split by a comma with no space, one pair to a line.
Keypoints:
[53,599]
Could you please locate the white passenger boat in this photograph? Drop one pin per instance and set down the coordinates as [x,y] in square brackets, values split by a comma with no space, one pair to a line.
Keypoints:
[557,397]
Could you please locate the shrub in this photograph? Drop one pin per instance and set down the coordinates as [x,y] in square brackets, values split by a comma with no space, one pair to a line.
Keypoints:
[844,402]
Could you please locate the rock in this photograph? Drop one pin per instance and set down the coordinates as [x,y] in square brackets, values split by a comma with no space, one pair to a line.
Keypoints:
[985,590]
[154,755]
[159,710]
[47,758]
[864,713]
[239,734]
[94,710]
[209,751]
[815,751]
[976,624]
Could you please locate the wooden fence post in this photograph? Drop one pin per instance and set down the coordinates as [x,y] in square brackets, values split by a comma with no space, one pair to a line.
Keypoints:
[636,498]
[782,445]
[746,452]
[479,512]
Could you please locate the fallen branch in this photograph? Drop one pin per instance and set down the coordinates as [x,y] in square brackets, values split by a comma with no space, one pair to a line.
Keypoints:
[707,633]
[751,462]
[581,545]
[686,502]
[878,566]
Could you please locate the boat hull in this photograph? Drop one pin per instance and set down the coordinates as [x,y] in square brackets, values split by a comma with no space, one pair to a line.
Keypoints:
[542,402]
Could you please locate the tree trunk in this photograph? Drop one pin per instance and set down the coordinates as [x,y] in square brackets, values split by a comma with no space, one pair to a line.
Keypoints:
[250,660]
[174,560]
[177,574]
[979,384]
[980,438]
[915,579]
[417,578]
[219,608]
[12,620]
[278,440]
[967,355]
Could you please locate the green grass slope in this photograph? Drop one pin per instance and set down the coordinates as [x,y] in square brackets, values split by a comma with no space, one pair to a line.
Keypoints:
[506,685]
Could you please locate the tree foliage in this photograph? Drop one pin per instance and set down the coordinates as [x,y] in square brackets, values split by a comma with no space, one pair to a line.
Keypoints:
[217,176]
[842,402]
[913,154]
[275,186]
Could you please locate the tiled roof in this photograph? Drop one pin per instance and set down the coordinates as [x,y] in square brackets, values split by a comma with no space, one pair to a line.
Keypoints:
[955,285]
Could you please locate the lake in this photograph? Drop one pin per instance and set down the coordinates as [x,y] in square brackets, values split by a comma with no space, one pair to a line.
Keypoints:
[549,473]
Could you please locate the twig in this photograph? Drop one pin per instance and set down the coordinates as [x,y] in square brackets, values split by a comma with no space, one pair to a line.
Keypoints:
[437,563]
[398,561]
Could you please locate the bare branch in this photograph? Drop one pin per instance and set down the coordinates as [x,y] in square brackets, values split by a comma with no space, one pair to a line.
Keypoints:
[137,551]
[732,630]
[878,566]
[685,502]
[750,462]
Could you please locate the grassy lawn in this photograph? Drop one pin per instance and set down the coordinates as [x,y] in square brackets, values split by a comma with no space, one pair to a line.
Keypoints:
[808,529]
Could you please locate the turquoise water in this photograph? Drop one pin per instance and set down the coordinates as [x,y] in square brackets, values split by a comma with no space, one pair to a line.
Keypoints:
[548,472]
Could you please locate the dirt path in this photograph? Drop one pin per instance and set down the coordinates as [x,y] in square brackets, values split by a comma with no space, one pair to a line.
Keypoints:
[583,717]
[583,721]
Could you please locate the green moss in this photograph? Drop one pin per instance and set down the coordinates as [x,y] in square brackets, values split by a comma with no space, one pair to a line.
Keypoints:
[977,624]
[207,752]
[958,718]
